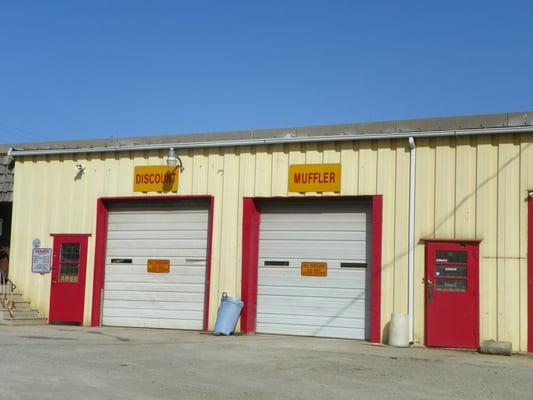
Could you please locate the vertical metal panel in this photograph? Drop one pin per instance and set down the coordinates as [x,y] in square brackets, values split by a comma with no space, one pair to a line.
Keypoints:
[508,241]
[401,223]
[199,166]
[444,188]
[263,171]
[280,170]
[487,228]
[465,193]
[228,239]
[424,225]
[215,185]
[367,168]
[349,158]
[386,185]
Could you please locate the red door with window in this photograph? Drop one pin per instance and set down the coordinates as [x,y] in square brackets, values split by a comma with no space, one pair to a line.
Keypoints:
[452,294]
[67,293]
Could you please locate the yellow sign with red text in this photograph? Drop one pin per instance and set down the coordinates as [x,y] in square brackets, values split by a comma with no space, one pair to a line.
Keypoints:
[159,178]
[315,178]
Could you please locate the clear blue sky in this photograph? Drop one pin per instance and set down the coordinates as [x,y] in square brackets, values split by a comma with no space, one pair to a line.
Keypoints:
[86,69]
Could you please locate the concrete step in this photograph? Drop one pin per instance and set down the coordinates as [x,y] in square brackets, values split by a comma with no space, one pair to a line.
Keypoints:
[18,313]
[19,305]
[23,321]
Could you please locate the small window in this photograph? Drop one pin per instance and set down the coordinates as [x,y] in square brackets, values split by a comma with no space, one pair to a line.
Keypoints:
[69,265]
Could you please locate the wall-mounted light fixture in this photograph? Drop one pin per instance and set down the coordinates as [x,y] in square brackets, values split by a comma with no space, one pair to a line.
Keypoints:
[172,159]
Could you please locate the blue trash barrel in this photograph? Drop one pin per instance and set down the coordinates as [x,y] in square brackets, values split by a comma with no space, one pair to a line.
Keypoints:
[228,315]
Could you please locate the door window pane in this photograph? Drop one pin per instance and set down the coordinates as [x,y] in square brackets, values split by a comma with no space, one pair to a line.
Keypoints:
[68,272]
[452,257]
[70,252]
[451,270]
[450,285]
[70,262]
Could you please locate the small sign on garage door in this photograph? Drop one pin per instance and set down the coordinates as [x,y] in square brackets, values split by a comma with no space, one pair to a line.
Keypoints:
[314,269]
[158,266]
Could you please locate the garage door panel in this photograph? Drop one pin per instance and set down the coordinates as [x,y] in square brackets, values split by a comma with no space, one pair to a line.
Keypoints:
[135,297]
[190,268]
[161,253]
[156,305]
[154,323]
[357,283]
[156,278]
[117,218]
[329,321]
[156,235]
[128,295]
[334,305]
[284,235]
[357,307]
[155,287]
[156,244]
[303,330]
[152,313]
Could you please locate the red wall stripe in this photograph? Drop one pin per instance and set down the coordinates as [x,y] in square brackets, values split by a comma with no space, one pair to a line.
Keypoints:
[530,275]
[99,260]
[375,290]
[250,254]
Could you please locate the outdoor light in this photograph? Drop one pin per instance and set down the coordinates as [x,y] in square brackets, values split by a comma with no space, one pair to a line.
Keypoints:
[172,159]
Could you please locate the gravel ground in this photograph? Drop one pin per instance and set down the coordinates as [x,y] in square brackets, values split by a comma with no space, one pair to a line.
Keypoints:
[51,362]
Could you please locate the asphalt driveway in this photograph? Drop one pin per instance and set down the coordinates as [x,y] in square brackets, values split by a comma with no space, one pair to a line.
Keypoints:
[51,362]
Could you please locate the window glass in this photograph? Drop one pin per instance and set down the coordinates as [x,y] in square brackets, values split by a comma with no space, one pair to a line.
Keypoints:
[70,252]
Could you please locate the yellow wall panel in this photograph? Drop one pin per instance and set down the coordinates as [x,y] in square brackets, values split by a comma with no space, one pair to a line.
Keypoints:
[401,223]
[424,226]
[367,168]
[508,241]
[263,171]
[280,170]
[444,188]
[386,186]
[465,193]
[349,158]
[486,230]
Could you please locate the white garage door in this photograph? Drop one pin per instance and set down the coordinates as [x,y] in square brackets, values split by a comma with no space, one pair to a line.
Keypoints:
[133,296]
[335,233]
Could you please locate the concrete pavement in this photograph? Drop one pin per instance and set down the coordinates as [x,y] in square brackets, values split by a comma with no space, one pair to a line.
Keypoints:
[53,362]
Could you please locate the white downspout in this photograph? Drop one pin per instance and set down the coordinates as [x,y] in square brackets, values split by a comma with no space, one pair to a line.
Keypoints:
[411,238]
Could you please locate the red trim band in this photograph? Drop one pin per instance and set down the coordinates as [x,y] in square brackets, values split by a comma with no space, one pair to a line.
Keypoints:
[530,275]
[375,289]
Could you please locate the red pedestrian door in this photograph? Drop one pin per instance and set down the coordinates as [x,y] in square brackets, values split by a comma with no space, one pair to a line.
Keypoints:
[452,294]
[67,292]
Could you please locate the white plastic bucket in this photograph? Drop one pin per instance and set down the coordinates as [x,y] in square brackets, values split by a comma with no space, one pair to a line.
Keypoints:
[398,330]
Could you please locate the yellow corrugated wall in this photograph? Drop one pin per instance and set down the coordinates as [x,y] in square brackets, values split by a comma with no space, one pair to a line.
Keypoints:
[468,187]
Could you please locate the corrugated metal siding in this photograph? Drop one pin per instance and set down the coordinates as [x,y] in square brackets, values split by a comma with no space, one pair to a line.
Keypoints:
[473,186]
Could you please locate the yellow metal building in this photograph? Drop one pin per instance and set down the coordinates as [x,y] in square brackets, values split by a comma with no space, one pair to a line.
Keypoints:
[471,182]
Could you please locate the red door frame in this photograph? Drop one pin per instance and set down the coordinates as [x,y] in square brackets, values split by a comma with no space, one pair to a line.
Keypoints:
[75,314]
[472,247]
[250,253]
[102,210]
